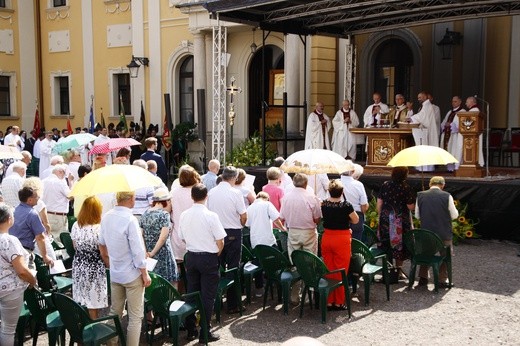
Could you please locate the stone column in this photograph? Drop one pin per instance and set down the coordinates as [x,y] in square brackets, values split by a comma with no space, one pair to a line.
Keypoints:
[293,46]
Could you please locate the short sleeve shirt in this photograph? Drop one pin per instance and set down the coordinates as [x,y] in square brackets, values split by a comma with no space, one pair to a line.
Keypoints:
[10,248]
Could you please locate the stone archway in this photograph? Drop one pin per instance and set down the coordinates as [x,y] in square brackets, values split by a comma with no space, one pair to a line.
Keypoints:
[368,61]
[274,60]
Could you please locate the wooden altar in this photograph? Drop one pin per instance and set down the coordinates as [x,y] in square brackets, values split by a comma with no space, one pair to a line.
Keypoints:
[383,144]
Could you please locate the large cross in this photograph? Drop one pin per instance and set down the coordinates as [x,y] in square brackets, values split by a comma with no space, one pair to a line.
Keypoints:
[233,89]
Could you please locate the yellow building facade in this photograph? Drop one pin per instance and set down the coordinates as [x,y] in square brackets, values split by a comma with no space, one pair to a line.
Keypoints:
[64,56]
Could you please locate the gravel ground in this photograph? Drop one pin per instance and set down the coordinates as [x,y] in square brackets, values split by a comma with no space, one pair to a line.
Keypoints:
[482,309]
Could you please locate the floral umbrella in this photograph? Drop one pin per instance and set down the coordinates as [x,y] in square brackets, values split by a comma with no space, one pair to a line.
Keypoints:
[9,152]
[113,144]
[316,161]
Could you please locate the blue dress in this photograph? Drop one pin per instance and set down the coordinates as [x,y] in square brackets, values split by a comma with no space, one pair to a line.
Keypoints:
[152,221]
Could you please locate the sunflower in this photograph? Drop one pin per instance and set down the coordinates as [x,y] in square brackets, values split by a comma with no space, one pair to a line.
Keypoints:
[469,234]
[372,224]
[456,202]
[462,219]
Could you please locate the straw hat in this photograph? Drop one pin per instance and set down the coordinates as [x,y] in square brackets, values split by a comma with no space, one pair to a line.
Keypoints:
[161,194]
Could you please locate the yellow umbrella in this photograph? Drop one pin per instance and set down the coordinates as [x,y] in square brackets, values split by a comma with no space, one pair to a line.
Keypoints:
[316,161]
[114,178]
[422,155]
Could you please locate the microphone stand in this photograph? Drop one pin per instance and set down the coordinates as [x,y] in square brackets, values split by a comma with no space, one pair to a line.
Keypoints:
[487,133]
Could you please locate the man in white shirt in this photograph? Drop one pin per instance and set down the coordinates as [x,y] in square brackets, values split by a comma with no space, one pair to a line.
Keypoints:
[13,183]
[121,240]
[204,235]
[13,139]
[355,194]
[27,158]
[55,196]
[344,142]
[55,160]
[373,113]
[229,205]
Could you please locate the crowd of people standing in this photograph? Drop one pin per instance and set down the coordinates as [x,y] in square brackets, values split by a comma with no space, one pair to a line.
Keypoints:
[197,223]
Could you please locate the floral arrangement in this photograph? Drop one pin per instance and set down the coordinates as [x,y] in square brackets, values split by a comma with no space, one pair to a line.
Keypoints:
[249,153]
[371,216]
[463,227]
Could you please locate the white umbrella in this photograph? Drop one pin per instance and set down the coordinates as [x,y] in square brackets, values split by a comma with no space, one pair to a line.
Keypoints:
[316,161]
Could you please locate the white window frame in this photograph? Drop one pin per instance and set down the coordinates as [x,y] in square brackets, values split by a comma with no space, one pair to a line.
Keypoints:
[12,92]
[113,90]
[55,92]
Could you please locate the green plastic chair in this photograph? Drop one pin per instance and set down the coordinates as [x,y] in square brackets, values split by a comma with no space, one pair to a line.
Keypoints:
[49,282]
[246,237]
[363,264]
[66,240]
[426,248]
[229,278]
[281,241]
[278,271]
[84,330]
[369,238]
[247,274]
[162,295]
[313,272]
[44,314]
[23,321]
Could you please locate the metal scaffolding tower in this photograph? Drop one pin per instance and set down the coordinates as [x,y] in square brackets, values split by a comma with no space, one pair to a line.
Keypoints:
[218,129]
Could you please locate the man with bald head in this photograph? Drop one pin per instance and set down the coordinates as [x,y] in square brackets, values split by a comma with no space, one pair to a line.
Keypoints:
[373,112]
[398,112]
[317,132]
[344,142]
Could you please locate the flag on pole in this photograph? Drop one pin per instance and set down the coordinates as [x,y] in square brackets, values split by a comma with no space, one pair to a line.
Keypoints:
[102,119]
[143,121]
[166,137]
[36,126]
[69,126]
[167,125]
[122,117]
[91,121]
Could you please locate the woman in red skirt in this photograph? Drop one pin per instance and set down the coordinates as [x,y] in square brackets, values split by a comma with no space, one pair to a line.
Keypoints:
[338,214]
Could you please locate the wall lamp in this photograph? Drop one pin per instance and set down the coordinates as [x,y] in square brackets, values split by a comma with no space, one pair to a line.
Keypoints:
[450,39]
[134,64]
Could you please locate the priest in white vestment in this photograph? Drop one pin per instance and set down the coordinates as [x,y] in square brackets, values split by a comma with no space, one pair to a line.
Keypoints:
[317,132]
[426,133]
[451,139]
[344,142]
[373,112]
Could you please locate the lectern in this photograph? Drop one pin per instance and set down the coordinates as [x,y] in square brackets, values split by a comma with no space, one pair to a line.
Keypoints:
[471,127]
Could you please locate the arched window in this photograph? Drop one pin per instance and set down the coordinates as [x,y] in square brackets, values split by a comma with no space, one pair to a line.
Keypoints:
[186,100]
[393,70]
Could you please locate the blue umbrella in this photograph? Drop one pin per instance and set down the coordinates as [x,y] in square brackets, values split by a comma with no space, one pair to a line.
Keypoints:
[73,141]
